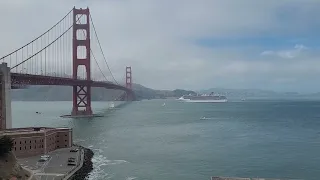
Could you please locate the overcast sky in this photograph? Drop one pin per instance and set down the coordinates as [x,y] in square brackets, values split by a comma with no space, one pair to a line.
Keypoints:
[190,44]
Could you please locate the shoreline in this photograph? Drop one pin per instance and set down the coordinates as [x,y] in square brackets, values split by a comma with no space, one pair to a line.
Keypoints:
[87,166]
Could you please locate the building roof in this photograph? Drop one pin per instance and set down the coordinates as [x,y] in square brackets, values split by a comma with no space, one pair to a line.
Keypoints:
[29,130]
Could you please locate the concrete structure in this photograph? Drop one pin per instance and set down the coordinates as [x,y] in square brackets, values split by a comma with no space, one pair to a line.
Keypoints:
[5,97]
[38,140]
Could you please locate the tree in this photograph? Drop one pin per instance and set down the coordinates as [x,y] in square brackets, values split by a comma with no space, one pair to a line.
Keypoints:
[6,145]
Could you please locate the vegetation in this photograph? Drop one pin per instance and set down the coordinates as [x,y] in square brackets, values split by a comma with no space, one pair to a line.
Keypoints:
[181,92]
[6,144]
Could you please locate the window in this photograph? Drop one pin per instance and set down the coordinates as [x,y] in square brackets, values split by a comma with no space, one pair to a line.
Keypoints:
[35,147]
[30,147]
[65,140]
[20,148]
[57,146]
[65,145]
[57,141]
[25,147]
[30,141]
[20,142]
[65,135]
[25,141]
[15,148]
[15,142]
[35,141]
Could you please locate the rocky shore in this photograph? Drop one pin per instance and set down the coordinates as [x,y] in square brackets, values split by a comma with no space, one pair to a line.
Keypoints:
[87,166]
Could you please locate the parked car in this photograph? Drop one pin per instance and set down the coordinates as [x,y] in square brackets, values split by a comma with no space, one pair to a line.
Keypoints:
[74,150]
[71,164]
[71,160]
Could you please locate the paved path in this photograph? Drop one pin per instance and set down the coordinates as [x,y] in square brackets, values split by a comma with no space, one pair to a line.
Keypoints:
[55,168]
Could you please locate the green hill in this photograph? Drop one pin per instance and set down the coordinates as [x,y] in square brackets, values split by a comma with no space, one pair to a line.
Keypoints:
[64,93]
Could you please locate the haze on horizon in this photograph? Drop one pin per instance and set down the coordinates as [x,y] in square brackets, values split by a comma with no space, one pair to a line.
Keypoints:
[191,44]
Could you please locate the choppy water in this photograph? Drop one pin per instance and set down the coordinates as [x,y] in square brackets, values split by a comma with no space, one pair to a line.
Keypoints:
[145,140]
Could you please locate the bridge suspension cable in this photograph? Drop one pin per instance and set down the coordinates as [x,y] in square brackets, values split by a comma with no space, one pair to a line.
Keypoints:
[2,58]
[104,57]
[95,59]
[47,54]
[42,48]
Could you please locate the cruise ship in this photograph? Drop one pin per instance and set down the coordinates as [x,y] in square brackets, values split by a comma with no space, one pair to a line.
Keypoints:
[204,98]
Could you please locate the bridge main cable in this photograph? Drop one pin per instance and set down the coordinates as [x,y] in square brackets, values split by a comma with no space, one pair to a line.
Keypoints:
[45,46]
[2,58]
[95,59]
[105,59]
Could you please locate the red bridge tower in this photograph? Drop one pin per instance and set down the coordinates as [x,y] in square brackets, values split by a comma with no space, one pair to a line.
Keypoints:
[128,78]
[129,96]
[81,94]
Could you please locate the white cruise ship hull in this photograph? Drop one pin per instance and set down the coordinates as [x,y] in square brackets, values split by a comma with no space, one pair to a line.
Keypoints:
[204,101]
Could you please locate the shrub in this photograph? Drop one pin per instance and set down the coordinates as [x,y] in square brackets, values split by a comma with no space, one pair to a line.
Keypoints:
[6,145]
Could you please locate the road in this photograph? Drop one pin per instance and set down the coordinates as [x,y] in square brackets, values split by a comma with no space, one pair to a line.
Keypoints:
[54,168]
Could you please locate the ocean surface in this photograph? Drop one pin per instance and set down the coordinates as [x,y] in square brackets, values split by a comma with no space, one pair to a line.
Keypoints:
[145,140]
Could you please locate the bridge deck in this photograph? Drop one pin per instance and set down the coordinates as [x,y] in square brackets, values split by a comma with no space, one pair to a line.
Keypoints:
[30,79]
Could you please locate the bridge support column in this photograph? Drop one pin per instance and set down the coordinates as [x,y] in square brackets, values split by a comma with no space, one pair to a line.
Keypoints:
[128,83]
[129,96]
[81,94]
[5,97]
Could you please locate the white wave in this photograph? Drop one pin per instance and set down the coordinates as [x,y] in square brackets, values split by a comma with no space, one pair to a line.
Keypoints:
[205,118]
[98,175]
[97,150]
[131,178]
[115,162]
[99,161]
[98,172]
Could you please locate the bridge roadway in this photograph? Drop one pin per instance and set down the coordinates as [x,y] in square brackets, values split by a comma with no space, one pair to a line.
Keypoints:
[30,79]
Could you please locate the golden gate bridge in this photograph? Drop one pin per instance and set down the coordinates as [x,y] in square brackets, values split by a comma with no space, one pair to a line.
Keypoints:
[63,56]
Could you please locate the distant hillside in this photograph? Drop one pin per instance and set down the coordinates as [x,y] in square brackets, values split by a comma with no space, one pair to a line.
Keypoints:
[258,93]
[64,93]
[147,93]
[60,93]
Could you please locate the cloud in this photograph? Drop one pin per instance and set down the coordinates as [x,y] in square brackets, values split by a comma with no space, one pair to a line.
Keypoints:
[157,39]
[288,54]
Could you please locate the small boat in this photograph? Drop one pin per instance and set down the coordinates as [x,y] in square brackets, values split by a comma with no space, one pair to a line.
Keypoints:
[164,104]
[111,105]
[206,118]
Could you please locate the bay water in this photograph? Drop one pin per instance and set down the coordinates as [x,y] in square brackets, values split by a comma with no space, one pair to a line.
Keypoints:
[146,140]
